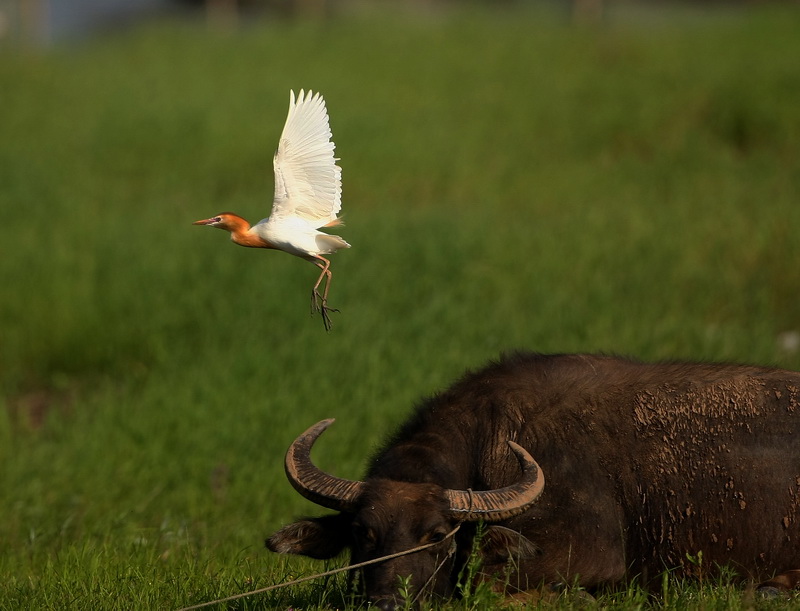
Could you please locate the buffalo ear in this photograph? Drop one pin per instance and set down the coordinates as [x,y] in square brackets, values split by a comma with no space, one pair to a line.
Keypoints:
[500,544]
[319,538]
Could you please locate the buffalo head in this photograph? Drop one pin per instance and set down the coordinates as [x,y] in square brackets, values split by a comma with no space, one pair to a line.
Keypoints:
[382,516]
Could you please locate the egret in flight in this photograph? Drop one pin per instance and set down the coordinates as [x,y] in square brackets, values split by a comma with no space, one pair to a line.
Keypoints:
[308,197]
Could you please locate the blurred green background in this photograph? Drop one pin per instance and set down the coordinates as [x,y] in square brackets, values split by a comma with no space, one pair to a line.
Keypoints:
[512,179]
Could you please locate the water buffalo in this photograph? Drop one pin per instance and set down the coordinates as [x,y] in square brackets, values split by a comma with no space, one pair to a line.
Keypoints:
[647,466]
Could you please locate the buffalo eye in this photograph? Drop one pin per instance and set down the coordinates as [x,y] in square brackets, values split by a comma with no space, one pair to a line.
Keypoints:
[436,537]
[364,533]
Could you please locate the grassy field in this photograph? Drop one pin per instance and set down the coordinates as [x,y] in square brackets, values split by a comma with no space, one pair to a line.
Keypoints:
[510,182]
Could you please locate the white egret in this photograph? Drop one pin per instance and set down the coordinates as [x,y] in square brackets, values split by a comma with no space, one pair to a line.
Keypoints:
[308,197]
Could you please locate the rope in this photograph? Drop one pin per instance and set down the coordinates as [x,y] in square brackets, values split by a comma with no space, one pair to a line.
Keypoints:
[332,572]
[449,554]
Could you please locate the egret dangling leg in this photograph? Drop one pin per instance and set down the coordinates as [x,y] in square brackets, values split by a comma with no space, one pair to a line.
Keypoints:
[319,303]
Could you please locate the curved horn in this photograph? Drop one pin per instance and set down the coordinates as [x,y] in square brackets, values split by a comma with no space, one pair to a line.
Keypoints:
[503,503]
[313,483]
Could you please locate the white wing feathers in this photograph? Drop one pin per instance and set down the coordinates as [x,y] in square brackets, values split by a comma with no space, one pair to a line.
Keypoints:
[308,183]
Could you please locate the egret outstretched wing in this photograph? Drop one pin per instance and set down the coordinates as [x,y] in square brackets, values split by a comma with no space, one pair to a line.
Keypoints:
[308,183]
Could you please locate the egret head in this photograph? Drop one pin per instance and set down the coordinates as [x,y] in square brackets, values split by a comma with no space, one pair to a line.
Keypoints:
[224,220]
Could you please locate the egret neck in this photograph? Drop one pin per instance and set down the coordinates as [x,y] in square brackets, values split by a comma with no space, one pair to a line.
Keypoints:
[239,229]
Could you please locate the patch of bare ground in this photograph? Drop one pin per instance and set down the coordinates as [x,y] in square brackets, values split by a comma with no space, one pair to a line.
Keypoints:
[29,410]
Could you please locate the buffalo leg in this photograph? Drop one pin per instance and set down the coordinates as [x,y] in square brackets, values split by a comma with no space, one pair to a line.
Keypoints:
[783,582]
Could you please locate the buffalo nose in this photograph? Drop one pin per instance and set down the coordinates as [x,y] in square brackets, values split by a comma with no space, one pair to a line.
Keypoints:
[386,604]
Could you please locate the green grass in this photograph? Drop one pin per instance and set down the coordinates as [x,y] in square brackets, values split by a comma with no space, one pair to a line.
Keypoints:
[509,182]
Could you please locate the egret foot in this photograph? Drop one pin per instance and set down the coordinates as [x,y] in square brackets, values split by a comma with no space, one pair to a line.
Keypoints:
[320,304]
[326,319]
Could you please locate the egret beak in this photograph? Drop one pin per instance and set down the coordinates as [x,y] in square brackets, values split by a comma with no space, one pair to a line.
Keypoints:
[206,221]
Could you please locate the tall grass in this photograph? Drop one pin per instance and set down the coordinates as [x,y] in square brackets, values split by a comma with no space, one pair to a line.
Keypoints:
[509,182]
